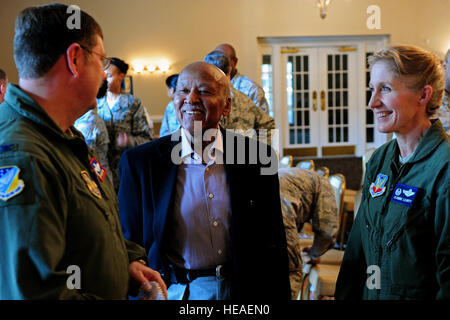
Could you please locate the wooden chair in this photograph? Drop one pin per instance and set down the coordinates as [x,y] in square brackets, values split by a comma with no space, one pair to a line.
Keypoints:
[286,162]
[324,171]
[306,164]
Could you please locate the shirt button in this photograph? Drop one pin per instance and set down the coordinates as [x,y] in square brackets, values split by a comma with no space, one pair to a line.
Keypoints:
[211,196]
[215,224]
[219,252]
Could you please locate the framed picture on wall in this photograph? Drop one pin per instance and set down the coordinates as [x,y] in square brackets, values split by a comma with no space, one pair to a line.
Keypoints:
[127,85]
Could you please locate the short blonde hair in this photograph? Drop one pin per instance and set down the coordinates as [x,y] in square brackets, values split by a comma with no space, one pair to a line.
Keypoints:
[420,67]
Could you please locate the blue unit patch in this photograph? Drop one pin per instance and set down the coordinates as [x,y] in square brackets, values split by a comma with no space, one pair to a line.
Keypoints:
[10,184]
[404,194]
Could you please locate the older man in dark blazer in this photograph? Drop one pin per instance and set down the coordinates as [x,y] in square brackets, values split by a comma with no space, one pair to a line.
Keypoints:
[205,203]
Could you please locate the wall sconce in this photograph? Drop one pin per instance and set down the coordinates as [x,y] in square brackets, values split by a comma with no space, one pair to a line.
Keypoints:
[323,6]
[150,68]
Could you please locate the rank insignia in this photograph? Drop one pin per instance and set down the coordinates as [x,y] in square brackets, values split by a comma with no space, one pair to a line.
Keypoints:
[377,188]
[404,194]
[98,169]
[10,184]
[92,186]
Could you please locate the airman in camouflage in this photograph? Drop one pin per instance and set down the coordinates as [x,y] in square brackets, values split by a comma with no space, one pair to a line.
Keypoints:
[306,196]
[241,82]
[95,133]
[251,89]
[128,117]
[247,117]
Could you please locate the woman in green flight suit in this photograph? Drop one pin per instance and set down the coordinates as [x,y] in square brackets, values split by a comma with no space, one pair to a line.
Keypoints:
[399,246]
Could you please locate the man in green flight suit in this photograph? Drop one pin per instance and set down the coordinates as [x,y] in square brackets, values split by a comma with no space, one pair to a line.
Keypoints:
[60,235]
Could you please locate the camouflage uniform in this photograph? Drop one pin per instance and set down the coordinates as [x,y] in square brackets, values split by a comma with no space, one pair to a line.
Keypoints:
[128,116]
[251,89]
[169,123]
[93,128]
[306,196]
[245,115]
[443,113]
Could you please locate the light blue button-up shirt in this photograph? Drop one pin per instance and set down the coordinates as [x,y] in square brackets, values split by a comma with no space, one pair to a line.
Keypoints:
[200,226]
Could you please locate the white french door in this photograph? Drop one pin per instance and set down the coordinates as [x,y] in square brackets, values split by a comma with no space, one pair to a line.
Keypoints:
[321,100]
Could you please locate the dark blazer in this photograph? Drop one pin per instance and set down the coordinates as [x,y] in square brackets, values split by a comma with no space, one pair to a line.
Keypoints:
[259,257]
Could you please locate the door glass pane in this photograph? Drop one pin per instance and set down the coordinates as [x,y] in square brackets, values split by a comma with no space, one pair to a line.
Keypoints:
[330,117]
[344,62]
[292,136]
[338,116]
[291,118]
[330,80]
[338,98]
[306,97]
[306,82]
[337,78]
[307,136]
[346,116]
[299,100]
[306,118]
[338,135]
[299,118]
[330,99]
[344,81]
[369,134]
[345,103]
[337,61]
[331,134]
[330,62]
[298,64]
[298,84]
[345,134]
[369,116]
[299,136]
[305,64]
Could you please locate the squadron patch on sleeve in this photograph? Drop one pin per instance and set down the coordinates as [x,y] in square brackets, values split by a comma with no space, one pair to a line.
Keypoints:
[98,169]
[10,184]
[92,186]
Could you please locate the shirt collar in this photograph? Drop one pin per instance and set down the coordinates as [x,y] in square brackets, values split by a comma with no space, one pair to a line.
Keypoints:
[189,156]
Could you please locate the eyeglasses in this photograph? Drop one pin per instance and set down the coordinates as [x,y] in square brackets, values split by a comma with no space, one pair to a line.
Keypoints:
[105,60]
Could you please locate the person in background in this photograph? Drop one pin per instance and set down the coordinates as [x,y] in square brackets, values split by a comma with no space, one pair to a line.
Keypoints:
[3,85]
[443,113]
[242,83]
[95,133]
[169,123]
[245,116]
[306,196]
[124,115]
[399,243]
[212,225]
[60,235]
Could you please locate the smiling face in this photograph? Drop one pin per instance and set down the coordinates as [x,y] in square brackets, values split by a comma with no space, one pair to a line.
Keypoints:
[201,95]
[396,106]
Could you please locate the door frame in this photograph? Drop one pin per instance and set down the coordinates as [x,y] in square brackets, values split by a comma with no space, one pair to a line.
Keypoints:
[362,43]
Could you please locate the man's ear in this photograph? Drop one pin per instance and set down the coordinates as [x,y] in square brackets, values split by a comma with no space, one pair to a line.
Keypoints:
[227,109]
[73,56]
[426,94]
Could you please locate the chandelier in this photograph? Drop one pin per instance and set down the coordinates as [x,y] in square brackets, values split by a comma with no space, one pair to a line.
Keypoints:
[323,6]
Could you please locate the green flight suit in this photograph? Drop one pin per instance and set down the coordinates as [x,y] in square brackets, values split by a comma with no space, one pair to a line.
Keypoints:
[55,212]
[399,246]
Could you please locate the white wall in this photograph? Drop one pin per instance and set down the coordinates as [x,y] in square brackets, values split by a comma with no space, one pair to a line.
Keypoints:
[183,31]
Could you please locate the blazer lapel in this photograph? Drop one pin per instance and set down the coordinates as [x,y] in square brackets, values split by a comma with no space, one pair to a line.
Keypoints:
[163,178]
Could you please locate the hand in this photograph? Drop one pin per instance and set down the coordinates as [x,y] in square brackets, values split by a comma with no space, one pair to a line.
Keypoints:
[122,140]
[140,274]
[307,251]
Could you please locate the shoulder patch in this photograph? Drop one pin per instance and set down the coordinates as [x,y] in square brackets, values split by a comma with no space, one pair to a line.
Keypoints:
[10,184]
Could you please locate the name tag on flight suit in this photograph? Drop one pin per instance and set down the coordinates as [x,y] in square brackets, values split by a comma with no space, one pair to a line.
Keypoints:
[404,194]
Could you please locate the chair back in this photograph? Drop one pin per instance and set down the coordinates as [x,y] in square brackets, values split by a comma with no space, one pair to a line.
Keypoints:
[337,181]
[286,162]
[324,171]
[306,164]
